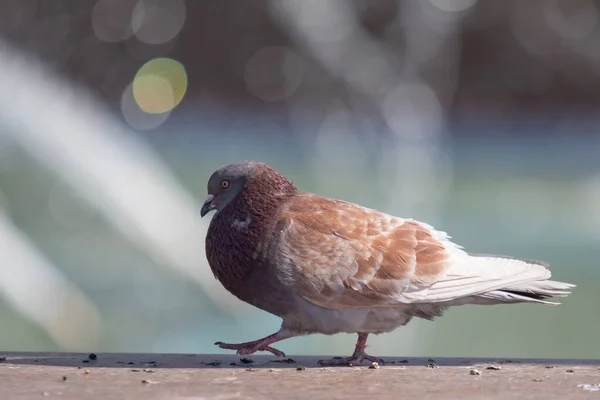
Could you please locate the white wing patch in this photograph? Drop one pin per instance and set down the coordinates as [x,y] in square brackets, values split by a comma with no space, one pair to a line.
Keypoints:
[241,223]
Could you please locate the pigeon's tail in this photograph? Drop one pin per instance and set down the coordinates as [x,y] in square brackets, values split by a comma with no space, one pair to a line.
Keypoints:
[490,279]
[538,288]
[530,292]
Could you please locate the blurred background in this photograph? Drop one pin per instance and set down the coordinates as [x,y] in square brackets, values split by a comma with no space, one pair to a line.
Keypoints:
[478,117]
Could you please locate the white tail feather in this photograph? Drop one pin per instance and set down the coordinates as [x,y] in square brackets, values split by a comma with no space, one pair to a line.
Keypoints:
[495,279]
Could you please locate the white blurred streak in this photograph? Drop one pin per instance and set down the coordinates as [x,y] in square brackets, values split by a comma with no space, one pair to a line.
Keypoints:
[410,104]
[571,19]
[40,293]
[332,132]
[328,29]
[158,21]
[529,31]
[69,133]
[454,5]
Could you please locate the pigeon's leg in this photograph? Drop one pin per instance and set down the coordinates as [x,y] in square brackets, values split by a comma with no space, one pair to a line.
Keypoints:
[357,357]
[259,345]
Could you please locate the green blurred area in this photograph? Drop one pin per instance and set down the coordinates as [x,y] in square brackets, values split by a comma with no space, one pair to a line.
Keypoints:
[495,203]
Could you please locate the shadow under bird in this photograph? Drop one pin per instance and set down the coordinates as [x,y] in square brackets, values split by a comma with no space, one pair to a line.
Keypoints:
[329,266]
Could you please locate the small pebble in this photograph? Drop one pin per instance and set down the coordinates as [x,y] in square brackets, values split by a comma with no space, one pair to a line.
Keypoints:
[92,356]
[571,371]
[251,369]
[475,372]
[45,394]
[494,368]
[432,366]
[135,370]
[87,372]
[537,380]
[300,368]
[271,370]
[594,387]
[374,365]
[147,381]
[550,366]
[64,378]
[148,371]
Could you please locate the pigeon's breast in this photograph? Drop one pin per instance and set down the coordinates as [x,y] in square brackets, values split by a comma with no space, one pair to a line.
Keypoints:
[230,252]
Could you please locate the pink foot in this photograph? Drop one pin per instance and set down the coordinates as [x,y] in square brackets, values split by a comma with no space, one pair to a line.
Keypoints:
[259,345]
[357,357]
[250,348]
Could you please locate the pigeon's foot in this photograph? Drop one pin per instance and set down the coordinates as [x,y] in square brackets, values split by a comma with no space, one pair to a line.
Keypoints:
[250,348]
[259,345]
[357,357]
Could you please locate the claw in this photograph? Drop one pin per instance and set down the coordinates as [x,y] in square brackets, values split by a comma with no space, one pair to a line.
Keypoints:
[357,357]
[245,349]
[350,361]
[259,345]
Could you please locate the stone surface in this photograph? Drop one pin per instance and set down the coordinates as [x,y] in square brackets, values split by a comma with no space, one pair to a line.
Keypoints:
[185,376]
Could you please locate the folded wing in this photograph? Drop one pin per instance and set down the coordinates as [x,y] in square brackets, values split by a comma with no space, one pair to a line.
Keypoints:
[348,256]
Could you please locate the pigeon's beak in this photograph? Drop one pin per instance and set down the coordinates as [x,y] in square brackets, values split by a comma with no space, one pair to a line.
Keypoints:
[208,205]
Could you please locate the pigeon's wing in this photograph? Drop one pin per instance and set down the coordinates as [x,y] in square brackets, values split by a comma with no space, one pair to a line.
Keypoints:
[347,256]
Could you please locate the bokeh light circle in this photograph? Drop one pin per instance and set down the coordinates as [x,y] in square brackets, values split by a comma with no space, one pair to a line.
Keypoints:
[135,116]
[159,85]
[158,21]
[111,20]
[273,73]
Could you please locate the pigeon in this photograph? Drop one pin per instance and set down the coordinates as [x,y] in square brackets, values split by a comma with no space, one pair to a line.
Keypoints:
[329,266]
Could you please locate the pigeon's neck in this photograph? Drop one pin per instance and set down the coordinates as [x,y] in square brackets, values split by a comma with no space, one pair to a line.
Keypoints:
[239,232]
[262,198]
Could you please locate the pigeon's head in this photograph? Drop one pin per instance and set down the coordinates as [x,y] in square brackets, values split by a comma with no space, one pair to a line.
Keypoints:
[226,183]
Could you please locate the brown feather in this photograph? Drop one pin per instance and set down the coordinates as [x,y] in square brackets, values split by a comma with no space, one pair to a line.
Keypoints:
[348,256]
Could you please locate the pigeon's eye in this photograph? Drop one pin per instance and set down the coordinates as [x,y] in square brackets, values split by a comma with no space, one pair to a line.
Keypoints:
[224,183]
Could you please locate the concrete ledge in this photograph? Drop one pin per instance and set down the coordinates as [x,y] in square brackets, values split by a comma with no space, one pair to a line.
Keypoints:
[222,377]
